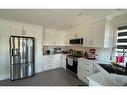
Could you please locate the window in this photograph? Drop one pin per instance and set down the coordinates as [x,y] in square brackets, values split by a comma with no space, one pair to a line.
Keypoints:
[122,39]
[121,44]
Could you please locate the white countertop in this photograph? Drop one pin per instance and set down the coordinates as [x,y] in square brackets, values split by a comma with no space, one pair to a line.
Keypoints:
[106,79]
[103,78]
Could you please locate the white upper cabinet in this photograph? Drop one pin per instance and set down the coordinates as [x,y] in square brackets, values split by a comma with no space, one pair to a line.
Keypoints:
[73,34]
[98,33]
[22,30]
[88,36]
[48,37]
[29,31]
[4,34]
[16,29]
[54,38]
[95,34]
[102,33]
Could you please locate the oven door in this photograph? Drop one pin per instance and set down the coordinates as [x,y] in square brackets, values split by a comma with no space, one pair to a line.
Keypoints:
[71,64]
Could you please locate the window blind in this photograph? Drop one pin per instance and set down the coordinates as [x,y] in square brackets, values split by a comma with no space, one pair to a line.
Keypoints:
[121,39]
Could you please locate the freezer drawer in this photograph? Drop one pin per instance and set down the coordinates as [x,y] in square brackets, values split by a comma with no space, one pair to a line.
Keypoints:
[21,71]
[29,70]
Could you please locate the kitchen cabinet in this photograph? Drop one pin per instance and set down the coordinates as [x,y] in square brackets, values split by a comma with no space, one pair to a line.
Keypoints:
[54,38]
[63,61]
[102,35]
[48,37]
[29,31]
[99,33]
[38,49]
[95,34]
[4,34]
[22,30]
[73,35]
[88,36]
[16,29]
[85,69]
[51,61]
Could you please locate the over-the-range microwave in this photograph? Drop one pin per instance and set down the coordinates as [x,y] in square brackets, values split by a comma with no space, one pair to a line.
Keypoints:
[76,41]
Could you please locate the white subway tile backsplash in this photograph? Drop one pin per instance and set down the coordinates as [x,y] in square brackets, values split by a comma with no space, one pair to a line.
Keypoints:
[103,54]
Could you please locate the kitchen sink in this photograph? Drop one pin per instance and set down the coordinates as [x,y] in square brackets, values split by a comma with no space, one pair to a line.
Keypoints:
[113,69]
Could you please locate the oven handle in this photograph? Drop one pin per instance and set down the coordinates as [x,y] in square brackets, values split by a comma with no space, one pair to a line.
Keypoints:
[69,61]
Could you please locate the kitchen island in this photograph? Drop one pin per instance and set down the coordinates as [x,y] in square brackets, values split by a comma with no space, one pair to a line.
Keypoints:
[104,78]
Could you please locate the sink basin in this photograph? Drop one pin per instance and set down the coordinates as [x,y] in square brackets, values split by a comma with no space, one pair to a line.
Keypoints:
[112,69]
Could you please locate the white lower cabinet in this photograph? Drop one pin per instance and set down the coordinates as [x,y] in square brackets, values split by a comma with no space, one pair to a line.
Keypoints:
[85,69]
[63,61]
[51,61]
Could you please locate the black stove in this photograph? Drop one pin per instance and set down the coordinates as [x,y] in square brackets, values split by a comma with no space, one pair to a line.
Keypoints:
[75,56]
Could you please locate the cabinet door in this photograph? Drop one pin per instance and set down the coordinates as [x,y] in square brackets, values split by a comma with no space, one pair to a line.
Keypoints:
[79,73]
[4,34]
[98,32]
[81,34]
[38,50]
[56,38]
[57,59]
[59,38]
[63,38]
[88,36]
[48,37]
[63,61]
[29,31]
[16,29]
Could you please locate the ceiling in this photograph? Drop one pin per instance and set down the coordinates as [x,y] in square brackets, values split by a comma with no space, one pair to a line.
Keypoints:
[59,19]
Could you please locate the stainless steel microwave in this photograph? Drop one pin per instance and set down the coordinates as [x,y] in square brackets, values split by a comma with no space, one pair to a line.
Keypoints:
[76,41]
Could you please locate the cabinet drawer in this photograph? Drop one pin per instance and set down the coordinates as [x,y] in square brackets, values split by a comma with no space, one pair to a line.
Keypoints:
[48,67]
[87,65]
[86,72]
[50,61]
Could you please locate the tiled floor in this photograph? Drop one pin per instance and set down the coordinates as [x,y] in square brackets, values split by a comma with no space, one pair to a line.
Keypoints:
[56,77]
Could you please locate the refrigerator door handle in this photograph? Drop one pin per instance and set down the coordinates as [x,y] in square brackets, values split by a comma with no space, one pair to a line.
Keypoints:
[12,52]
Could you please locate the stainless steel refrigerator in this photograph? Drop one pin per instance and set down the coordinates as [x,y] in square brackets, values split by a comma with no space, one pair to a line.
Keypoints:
[21,57]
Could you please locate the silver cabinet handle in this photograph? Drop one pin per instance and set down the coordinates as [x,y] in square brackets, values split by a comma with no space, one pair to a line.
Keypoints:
[86,70]
[86,64]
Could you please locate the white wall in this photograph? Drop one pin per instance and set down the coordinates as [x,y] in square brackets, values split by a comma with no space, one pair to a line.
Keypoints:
[5,27]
